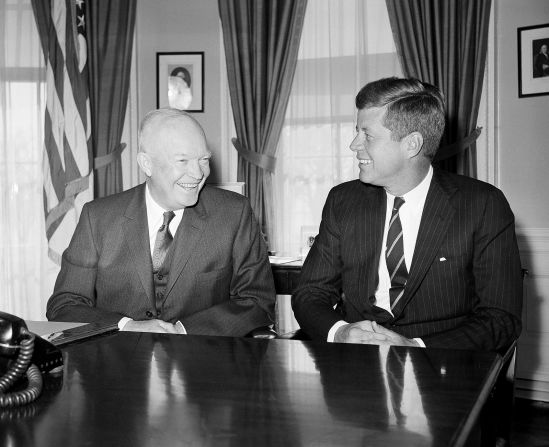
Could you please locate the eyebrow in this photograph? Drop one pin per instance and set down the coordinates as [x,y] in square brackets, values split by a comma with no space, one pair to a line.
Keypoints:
[183,155]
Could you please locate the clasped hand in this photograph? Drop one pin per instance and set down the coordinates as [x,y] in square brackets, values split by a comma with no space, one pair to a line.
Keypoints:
[369,332]
[153,326]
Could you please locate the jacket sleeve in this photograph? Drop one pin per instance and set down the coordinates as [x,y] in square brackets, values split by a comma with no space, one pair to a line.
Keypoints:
[74,295]
[319,288]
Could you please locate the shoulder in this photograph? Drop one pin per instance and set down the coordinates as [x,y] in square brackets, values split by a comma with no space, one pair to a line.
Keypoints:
[353,187]
[118,200]
[221,197]
[105,211]
[353,191]
[464,184]
[223,202]
[471,193]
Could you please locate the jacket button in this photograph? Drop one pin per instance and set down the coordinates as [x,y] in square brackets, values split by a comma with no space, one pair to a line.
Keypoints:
[158,313]
[149,314]
[160,276]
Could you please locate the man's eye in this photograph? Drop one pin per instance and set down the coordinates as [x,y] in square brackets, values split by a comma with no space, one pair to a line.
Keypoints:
[205,160]
[369,137]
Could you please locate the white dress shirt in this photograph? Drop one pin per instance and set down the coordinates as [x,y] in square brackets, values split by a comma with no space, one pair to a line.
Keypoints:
[410,217]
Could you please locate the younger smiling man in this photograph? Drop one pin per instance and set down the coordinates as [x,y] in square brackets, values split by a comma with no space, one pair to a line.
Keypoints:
[410,255]
[215,277]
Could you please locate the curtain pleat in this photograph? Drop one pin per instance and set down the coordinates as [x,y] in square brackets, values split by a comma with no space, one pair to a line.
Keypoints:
[261,40]
[445,43]
[110,31]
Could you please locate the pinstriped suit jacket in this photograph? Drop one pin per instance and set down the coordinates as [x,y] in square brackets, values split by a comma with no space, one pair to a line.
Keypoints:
[220,280]
[465,285]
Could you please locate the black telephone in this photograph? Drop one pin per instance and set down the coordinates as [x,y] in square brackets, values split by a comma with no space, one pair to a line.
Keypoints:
[22,352]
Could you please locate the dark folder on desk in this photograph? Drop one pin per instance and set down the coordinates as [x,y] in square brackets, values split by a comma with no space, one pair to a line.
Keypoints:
[79,333]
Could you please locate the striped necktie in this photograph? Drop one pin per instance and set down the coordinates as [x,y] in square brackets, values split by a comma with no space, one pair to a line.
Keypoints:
[162,242]
[395,255]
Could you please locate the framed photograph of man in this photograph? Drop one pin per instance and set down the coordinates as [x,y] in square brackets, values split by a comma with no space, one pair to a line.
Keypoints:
[533,60]
[180,81]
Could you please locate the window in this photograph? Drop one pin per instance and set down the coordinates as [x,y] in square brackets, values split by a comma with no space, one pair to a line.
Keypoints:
[344,45]
[22,98]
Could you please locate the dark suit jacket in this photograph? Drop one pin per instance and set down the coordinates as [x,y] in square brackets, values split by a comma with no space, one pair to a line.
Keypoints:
[464,288]
[220,280]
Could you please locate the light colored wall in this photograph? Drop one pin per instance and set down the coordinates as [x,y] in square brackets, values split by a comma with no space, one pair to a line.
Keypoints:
[523,161]
[181,26]
[523,124]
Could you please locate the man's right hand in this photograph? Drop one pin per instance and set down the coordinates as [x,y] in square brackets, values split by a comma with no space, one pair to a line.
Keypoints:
[359,332]
[151,326]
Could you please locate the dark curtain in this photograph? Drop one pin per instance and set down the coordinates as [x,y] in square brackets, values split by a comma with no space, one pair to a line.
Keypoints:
[444,43]
[261,40]
[110,27]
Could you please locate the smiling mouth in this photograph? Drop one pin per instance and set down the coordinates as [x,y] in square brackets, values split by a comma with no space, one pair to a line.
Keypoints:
[188,186]
[362,161]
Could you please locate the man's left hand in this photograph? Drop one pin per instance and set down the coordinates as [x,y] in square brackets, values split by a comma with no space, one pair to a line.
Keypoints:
[392,338]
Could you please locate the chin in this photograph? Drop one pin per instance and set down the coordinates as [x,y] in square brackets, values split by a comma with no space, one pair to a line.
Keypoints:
[190,199]
[364,178]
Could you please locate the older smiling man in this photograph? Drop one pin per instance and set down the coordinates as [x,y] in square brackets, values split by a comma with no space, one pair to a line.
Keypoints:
[170,255]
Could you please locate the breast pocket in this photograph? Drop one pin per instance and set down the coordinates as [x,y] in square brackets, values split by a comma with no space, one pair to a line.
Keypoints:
[214,286]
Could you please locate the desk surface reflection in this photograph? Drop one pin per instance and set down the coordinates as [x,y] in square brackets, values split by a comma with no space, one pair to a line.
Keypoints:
[163,390]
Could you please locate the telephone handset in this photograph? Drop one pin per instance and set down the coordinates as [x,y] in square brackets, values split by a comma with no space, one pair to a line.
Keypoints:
[22,352]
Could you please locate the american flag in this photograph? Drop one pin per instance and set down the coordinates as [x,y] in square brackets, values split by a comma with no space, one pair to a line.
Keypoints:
[67,144]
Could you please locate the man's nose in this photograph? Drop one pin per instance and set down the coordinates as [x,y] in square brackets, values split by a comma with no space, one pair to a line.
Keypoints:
[356,145]
[195,171]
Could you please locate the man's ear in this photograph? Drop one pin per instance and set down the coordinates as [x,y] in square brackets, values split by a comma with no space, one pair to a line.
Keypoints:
[145,163]
[414,143]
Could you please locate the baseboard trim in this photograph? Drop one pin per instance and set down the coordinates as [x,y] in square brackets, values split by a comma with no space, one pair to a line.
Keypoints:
[532,389]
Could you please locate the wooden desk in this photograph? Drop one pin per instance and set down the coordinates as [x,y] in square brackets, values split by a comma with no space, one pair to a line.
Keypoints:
[132,389]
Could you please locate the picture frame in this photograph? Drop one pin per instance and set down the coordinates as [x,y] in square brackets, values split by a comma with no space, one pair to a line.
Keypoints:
[174,72]
[533,52]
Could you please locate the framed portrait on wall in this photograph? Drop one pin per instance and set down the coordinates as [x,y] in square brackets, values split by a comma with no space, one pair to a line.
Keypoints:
[180,81]
[533,60]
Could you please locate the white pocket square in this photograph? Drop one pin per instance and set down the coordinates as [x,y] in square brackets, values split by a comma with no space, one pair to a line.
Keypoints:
[442,259]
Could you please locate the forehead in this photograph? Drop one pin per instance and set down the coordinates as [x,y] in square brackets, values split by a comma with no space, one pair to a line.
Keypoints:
[179,138]
[371,117]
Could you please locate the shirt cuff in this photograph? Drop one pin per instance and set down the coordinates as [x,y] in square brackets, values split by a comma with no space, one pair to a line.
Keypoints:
[420,341]
[123,322]
[180,327]
[333,330]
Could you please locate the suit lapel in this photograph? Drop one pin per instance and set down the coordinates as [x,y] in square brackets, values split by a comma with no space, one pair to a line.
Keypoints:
[374,216]
[136,236]
[437,215]
[375,219]
[186,239]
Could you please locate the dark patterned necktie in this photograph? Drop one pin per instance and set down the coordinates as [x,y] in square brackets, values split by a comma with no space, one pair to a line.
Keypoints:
[162,243]
[395,255]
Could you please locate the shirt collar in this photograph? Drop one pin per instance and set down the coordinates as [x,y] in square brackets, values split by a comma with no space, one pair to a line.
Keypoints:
[154,210]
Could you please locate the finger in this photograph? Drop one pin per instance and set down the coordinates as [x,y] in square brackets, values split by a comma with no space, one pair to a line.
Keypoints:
[378,328]
[168,327]
[355,335]
[365,325]
[373,337]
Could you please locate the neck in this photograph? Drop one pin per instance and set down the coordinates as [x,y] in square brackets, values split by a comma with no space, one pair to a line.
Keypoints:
[409,182]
